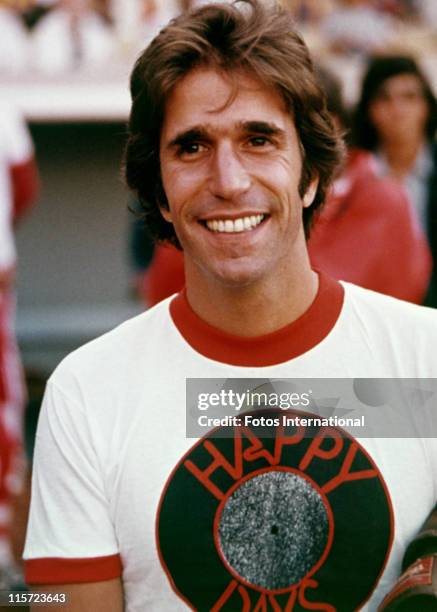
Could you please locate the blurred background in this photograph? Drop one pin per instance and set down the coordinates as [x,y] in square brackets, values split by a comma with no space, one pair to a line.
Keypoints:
[78,265]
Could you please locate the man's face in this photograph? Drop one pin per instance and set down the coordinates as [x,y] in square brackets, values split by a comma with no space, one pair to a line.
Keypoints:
[399,111]
[231,174]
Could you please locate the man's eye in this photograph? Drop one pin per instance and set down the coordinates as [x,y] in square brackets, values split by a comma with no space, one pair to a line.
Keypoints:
[259,141]
[191,148]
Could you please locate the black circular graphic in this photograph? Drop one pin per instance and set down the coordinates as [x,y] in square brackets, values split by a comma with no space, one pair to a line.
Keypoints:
[275,518]
[273,529]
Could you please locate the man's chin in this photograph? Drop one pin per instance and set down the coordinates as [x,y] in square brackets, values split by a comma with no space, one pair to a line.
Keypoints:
[236,277]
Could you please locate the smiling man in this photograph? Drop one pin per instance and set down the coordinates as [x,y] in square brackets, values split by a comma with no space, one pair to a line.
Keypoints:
[231,151]
[231,171]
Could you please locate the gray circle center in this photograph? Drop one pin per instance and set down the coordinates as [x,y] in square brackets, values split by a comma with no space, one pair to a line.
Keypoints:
[273,529]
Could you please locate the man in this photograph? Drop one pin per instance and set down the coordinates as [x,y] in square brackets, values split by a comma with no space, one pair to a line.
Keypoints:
[232,148]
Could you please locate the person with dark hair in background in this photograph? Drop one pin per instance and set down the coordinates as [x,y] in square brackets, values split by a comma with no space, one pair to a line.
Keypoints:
[366,232]
[231,150]
[396,119]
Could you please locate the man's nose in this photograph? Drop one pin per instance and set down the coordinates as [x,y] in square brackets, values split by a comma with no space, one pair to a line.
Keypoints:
[229,176]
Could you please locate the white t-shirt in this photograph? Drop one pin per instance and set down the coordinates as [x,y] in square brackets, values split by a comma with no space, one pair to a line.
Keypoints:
[224,523]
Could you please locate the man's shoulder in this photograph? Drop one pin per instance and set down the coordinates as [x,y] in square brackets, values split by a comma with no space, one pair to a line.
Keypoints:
[120,348]
[388,311]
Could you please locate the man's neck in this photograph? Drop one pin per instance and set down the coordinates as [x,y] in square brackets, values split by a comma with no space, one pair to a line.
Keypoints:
[254,310]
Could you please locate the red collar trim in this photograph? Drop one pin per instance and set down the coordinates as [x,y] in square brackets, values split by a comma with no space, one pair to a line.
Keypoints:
[277,347]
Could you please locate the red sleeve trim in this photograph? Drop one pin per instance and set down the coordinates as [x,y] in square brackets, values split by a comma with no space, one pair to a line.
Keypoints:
[55,570]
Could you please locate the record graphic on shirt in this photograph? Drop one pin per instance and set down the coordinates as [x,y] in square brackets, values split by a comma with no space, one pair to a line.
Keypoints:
[284,522]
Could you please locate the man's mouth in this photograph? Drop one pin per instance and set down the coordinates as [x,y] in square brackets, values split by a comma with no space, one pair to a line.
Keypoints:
[232,226]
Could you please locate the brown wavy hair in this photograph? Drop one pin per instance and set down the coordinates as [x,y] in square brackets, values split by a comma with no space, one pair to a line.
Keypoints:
[247,36]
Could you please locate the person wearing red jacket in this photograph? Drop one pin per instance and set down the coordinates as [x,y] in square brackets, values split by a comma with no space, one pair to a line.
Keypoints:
[19,187]
[367,234]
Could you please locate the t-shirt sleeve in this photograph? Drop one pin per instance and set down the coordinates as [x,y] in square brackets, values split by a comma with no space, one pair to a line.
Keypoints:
[70,536]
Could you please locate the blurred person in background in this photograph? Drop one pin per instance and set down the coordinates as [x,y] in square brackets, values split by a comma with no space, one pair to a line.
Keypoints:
[356,27]
[398,8]
[35,10]
[366,233]
[396,119]
[308,11]
[18,190]
[14,41]
[164,276]
[155,14]
[72,35]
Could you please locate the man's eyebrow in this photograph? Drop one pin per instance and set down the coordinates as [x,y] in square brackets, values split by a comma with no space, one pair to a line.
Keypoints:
[188,136]
[262,127]
[201,132]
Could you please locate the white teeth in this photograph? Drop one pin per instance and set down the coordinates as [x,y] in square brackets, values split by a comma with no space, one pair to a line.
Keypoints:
[239,225]
[230,226]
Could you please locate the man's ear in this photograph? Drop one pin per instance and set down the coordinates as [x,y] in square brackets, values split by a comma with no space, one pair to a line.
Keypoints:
[165,212]
[161,200]
[310,193]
